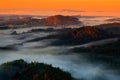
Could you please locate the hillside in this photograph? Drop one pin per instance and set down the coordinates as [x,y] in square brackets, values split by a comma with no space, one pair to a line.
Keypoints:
[21,70]
[76,36]
[89,32]
[111,27]
[23,22]
[60,20]
[111,49]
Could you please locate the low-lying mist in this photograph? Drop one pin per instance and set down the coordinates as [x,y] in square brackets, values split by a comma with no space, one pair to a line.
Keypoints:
[77,64]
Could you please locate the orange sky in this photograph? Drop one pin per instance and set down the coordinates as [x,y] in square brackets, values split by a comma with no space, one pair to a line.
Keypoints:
[48,7]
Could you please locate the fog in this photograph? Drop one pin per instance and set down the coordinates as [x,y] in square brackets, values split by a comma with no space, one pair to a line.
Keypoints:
[77,64]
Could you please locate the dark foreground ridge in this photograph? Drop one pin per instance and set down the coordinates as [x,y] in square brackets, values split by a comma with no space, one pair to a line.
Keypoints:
[21,70]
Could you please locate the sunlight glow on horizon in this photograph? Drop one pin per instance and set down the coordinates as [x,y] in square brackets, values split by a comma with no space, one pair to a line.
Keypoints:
[48,7]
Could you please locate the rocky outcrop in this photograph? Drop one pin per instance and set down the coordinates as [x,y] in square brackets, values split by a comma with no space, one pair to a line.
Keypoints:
[60,20]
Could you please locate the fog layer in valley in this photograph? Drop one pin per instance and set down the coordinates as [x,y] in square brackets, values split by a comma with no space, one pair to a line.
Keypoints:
[80,66]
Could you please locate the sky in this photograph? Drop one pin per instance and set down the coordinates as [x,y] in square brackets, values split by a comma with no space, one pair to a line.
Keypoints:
[66,7]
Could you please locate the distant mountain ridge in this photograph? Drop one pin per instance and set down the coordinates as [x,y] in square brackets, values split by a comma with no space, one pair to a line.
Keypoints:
[76,36]
[81,35]
[22,22]
[114,28]
[89,31]
[60,20]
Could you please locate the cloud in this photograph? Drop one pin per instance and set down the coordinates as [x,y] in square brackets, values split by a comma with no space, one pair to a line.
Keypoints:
[69,10]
